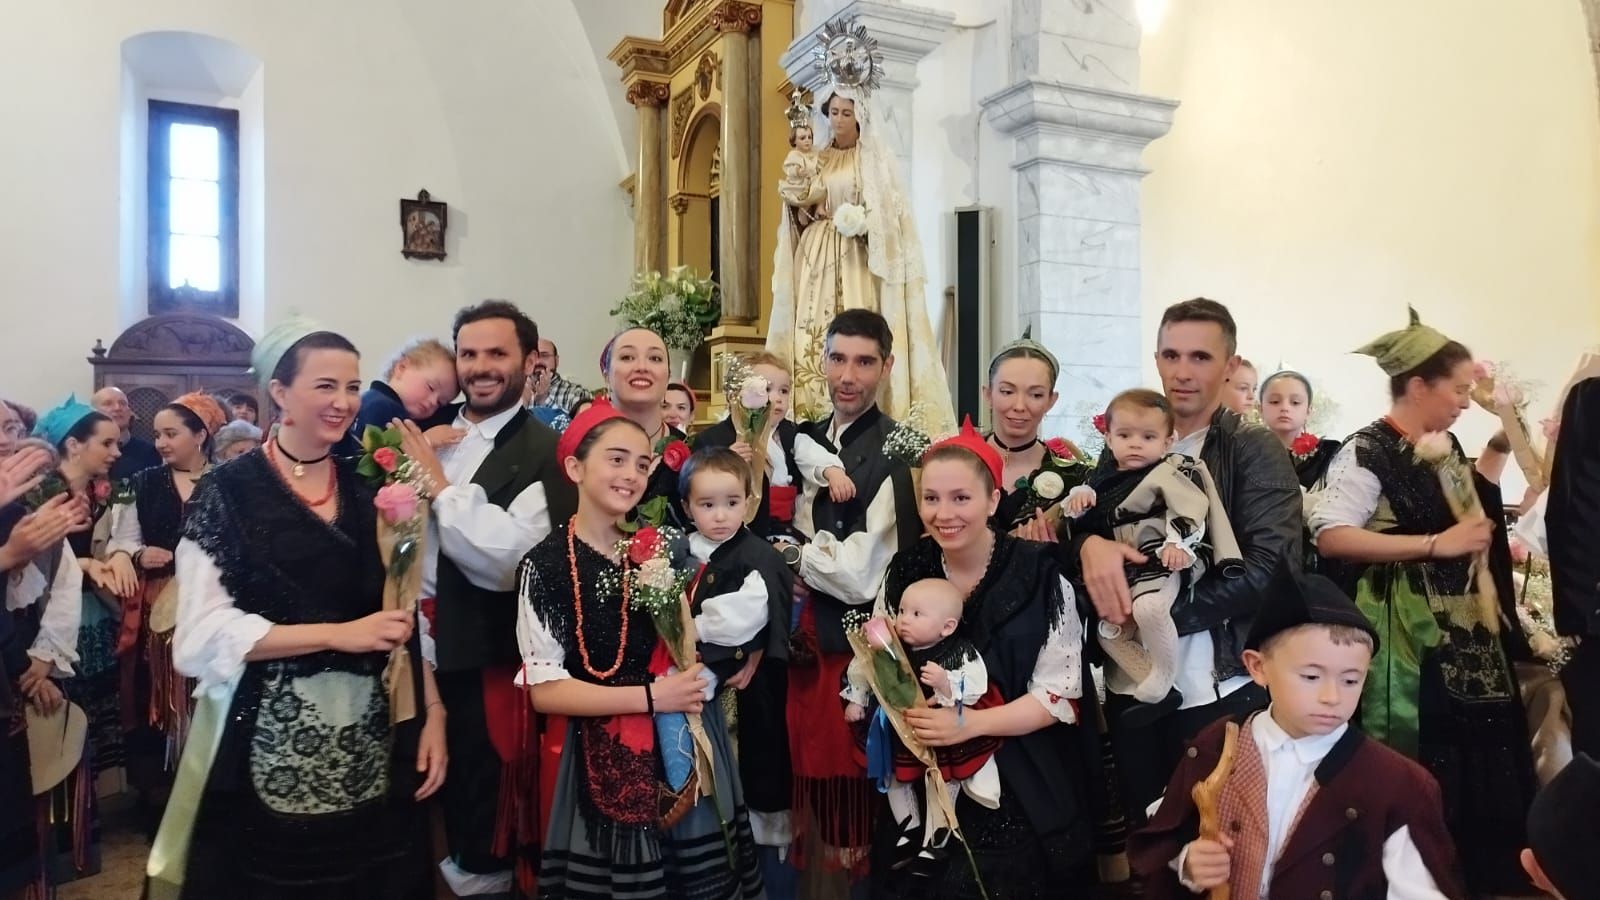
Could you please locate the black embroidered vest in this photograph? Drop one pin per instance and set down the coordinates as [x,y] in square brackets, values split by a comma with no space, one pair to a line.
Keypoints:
[475,627]
[729,566]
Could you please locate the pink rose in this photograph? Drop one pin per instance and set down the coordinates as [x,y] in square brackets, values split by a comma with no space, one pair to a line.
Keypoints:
[386,458]
[102,491]
[1551,428]
[878,635]
[397,502]
[1482,370]
[1519,551]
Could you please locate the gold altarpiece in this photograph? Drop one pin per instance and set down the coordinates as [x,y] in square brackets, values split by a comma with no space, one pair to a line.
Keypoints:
[710,95]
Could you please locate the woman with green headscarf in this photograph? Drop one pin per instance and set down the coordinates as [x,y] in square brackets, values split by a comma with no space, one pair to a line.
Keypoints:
[1441,689]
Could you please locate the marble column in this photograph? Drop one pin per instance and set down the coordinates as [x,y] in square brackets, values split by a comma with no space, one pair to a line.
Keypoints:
[740,269]
[905,35]
[649,99]
[1079,127]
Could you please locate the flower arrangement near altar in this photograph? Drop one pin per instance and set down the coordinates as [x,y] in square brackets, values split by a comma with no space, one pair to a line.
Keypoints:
[681,306]
[402,505]
[659,582]
[1436,449]
[850,220]
[1064,468]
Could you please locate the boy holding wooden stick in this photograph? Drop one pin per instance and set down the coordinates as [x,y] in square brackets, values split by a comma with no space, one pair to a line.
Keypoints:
[1308,806]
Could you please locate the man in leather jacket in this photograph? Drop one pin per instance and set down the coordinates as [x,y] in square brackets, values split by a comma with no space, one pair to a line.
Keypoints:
[1571,523]
[1196,354]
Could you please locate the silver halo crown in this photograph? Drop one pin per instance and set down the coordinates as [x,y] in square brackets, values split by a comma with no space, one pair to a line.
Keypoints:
[849,56]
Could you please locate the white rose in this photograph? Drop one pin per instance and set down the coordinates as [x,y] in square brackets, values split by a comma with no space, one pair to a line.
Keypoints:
[851,220]
[656,573]
[1048,485]
[753,393]
[1433,447]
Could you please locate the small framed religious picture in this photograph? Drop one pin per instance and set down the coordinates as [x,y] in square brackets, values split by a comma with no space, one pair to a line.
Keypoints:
[422,225]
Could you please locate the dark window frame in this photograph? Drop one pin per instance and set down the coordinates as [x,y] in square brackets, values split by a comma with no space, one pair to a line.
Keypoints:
[163,298]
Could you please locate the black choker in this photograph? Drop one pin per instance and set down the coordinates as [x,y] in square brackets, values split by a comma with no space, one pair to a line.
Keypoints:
[300,464]
[998,443]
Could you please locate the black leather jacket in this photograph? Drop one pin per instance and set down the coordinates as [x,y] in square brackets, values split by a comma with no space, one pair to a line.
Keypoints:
[1261,495]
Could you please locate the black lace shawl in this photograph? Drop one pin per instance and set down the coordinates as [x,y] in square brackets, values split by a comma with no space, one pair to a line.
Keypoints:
[161,511]
[279,560]
[1019,599]
[546,574]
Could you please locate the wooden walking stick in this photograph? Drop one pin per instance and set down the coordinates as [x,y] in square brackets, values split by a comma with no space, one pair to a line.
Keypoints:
[1208,793]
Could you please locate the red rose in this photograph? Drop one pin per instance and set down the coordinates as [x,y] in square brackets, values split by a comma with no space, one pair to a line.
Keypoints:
[644,544]
[102,491]
[1062,448]
[675,454]
[427,605]
[386,458]
[1305,444]
[1100,423]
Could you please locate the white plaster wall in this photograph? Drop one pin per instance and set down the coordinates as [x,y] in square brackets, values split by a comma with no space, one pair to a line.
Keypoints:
[1332,162]
[498,107]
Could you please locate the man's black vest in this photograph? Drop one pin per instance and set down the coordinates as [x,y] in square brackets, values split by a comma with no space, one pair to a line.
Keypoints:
[861,451]
[475,627]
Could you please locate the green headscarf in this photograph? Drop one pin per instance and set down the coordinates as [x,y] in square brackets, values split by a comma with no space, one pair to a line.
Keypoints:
[275,344]
[1026,345]
[1398,352]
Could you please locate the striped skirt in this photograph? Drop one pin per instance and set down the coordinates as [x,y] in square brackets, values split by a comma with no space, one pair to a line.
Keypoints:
[690,861]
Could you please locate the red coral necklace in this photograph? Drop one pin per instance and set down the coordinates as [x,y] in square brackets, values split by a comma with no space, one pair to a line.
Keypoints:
[577,606]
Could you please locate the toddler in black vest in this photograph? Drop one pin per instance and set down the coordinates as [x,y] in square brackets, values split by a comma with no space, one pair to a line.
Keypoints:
[791,457]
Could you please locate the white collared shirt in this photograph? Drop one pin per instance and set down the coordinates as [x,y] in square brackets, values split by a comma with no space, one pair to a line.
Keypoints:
[1291,766]
[483,540]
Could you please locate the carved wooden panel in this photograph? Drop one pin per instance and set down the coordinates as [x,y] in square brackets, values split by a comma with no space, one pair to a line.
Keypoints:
[164,357]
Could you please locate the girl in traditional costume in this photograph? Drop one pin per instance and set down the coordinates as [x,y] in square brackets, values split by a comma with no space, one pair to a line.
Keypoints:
[1020,615]
[587,656]
[146,526]
[1442,688]
[293,783]
[87,443]
[1285,406]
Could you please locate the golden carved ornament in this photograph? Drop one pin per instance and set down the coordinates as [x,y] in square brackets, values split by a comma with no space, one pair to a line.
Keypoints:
[735,17]
[648,93]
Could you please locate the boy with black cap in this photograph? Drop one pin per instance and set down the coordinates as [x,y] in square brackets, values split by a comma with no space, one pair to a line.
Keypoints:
[1564,831]
[1312,808]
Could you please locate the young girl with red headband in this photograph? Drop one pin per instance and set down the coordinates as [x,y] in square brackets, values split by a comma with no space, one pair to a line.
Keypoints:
[586,656]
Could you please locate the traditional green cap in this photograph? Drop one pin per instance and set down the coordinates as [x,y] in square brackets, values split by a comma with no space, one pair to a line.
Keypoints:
[54,425]
[1401,351]
[1027,343]
[272,347]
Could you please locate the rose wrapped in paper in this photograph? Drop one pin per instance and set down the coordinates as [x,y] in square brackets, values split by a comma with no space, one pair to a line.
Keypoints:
[884,663]
[1498,391]
[750,412]
[660,583]
[1437,449]
[402,505]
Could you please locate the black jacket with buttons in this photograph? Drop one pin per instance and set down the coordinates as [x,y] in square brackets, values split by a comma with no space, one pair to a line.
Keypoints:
[730,564]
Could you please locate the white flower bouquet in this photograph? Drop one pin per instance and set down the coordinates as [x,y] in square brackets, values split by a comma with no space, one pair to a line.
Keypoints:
[850,220]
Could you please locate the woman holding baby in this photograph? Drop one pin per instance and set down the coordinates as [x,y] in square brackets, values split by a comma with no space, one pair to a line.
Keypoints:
[1021,616]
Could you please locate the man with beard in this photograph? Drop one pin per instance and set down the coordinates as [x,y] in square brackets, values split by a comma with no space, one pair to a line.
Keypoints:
[496,493]
[842,566]
[137,454]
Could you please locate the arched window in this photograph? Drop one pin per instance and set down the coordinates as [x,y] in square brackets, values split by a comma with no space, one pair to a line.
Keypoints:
[194,208]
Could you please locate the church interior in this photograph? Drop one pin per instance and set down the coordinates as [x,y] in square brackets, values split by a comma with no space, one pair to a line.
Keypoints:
[1072,167]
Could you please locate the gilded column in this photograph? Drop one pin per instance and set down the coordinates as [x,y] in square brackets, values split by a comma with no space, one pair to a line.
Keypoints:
[739,263]
[649,98]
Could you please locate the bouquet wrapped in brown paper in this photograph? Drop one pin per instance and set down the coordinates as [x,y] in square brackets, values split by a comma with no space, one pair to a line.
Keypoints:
[402,504]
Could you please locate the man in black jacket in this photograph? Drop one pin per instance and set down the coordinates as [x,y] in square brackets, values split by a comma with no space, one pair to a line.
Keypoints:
[1196,354]
[1571,523]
